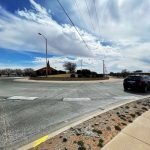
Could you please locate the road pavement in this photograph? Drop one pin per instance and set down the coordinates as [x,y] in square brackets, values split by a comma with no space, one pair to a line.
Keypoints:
[24,120]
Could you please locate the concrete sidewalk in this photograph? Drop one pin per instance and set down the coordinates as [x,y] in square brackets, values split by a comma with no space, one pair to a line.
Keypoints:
[135,136]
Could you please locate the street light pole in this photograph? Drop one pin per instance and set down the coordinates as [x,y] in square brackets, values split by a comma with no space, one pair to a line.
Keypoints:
[46,60]
[46,52]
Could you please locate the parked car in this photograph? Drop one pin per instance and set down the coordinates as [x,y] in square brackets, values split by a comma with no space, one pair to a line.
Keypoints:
[138,82]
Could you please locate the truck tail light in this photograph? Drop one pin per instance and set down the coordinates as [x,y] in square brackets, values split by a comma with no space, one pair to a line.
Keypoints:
[141,82]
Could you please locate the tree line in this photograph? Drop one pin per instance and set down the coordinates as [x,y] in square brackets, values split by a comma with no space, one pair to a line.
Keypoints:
[16,72]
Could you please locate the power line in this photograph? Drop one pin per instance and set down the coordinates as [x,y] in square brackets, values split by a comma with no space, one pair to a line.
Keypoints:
[89,14]
[72,23]
[77,7]
[80,13]
[97,16]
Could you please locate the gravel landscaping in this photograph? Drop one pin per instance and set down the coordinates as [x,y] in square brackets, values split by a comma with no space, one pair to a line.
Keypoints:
[96,132]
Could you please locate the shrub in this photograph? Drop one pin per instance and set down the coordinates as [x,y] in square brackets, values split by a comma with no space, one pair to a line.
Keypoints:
[117,113]
[127,107]
[84,73]
[80,143]
[81,148]
[72,75]
[100,75]
[132,115]
[124,119]
[108,128]
[33,74]
[144,108]
[97,131]
[124,124]
[130,121]
[100,143]
[117,128]
[138,113]
[79,75]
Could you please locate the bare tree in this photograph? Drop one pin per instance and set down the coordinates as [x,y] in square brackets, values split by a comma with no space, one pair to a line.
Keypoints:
[125,72]
[18,72]
[8,71]
[28,71]
[71,67]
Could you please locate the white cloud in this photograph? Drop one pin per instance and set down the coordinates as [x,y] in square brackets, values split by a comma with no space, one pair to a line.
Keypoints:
[62,39]
[123,22]
[39,8]
[120,20]
[58,61]
[22,34]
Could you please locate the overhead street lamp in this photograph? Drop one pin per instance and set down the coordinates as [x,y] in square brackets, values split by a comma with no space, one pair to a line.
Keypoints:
[46,52]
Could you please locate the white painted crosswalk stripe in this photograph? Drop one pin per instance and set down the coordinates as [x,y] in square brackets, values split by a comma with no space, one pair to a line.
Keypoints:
[76,99]
[22,98]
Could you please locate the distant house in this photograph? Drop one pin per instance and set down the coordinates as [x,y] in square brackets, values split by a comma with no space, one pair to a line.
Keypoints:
[50,71]
[42,71]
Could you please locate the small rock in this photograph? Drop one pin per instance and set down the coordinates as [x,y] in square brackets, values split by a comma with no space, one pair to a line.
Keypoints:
[60,136]
[65,139]
[96,124]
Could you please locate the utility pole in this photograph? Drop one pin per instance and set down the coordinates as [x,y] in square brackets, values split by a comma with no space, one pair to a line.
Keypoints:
[81,63]
[103,67]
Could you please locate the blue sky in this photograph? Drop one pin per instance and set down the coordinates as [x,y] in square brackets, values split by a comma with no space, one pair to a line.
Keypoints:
[116,30]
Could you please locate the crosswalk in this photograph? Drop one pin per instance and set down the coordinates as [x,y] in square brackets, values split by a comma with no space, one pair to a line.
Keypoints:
[22,98]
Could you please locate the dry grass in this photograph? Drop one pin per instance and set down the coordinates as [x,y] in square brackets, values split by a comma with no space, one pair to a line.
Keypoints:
[60,75]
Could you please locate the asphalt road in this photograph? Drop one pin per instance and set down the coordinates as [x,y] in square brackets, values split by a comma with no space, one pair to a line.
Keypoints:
[22,121]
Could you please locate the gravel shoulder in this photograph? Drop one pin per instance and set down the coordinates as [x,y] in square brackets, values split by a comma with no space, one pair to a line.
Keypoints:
[94,133]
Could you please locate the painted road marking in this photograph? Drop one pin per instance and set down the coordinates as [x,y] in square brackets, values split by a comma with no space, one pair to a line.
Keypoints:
[76,99]
[41,140]
[126,97]
[22,98]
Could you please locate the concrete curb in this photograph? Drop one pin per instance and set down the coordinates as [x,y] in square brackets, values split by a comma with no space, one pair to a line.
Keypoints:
[53,81]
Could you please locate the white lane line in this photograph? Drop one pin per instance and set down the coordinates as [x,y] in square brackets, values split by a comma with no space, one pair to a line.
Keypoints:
[76,99]
[22,98]
[127,97]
